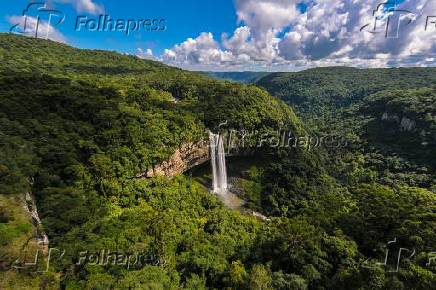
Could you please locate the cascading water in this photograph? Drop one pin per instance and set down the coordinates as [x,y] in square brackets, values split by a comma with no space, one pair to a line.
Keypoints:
[218,161]
[219,175]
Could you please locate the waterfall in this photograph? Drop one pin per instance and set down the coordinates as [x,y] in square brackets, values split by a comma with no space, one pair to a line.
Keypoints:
[218,161]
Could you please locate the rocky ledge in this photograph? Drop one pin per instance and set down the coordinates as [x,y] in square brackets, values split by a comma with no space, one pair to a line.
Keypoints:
[186,157]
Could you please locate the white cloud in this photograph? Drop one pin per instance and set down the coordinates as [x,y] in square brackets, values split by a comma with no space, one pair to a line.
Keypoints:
[275,34]
[84,6]
[245,46]
[201,50]
[28,25]
[419,41]
[265,15]
[263,20]
[145,54]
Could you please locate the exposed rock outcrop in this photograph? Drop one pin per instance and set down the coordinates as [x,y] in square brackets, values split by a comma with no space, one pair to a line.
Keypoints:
[405,123]
[185,158]
[39,233]
[190,155]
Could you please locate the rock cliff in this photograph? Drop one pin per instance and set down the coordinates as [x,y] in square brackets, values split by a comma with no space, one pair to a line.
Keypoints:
[405,123]
[186,157]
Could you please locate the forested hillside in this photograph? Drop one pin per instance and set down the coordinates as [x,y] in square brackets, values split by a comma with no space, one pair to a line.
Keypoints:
[403,121]
[315,92]
[387,117]
[79,127]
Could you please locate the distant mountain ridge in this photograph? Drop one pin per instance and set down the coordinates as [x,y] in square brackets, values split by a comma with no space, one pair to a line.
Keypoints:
[246,77]
[314,90]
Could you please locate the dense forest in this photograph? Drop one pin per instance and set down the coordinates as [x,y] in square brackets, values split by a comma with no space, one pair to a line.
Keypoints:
[79,127]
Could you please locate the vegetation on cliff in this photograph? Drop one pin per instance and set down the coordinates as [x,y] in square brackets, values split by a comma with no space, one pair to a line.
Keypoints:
[382,184]
[78,126]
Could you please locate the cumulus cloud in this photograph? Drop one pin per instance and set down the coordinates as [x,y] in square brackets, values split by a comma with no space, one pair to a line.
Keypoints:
[84,6]
[264,15]
[30,26]
[277,34]
[419,41]
[145,54]
[201,50]
[263,20]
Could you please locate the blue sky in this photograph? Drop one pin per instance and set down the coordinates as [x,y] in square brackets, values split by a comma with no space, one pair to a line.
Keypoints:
[184,19]
[230,35]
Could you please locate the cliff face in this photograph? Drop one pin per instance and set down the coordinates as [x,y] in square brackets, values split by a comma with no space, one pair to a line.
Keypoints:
[190,155]
[405,123]
[185,158]
[39,233]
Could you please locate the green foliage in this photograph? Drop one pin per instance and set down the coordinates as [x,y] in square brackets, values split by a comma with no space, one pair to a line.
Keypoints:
[392,113]
[315,92]
[294,183]
[402,212]
[383,181]
[260,278]
[78,128]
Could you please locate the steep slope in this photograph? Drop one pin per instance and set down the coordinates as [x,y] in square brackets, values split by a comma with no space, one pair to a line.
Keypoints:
[386,168]
[343,100]
[403,121]
[317,91]
[131,76]
[78,126]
